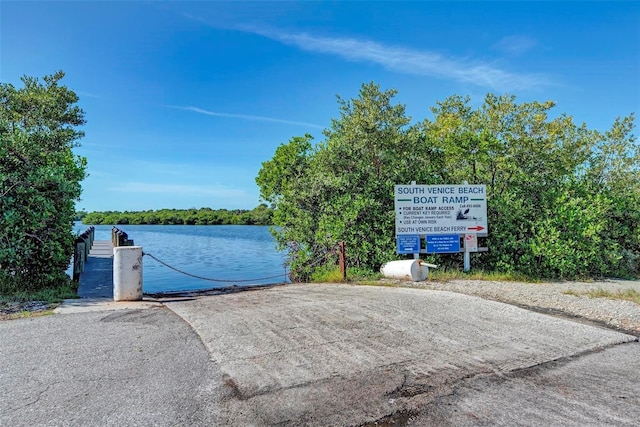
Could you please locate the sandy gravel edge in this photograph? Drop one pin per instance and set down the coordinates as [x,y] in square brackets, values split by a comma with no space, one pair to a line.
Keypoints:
[551,298]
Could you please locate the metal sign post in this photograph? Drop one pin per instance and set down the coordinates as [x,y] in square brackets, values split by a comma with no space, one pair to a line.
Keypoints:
[470,245]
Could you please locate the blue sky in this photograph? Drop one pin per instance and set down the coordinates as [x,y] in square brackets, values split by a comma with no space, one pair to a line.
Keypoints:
[185,100]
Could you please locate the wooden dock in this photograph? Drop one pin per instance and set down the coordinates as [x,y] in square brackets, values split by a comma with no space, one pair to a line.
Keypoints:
[96,281]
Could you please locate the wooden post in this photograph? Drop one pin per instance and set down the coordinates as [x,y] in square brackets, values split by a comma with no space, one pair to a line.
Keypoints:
[92,236]
[87,246]
[76,261]
[83,255]
[343,265]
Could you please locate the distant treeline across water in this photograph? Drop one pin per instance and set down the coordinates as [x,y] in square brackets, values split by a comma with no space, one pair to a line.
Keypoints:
[261,215]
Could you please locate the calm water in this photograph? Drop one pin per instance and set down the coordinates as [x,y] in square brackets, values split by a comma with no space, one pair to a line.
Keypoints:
[228,252]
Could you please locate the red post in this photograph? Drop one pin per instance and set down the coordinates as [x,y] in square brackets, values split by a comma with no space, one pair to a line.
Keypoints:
[343,265]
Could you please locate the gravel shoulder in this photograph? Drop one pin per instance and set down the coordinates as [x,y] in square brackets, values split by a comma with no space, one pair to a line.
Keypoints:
[552,298]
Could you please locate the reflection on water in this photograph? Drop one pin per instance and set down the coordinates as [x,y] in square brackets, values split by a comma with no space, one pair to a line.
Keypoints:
[228,252]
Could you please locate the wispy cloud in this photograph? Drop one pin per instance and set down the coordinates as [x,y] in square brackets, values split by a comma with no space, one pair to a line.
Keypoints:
[515,44]
[87,94]
[100,174]
[245,116]
[486,74]
[410,61]
[177,189]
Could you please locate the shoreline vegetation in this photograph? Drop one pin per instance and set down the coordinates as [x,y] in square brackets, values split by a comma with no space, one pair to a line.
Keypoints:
[260,215]
[19,304]
[562,199]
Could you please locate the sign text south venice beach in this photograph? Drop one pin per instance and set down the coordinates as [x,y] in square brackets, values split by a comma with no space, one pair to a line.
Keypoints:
[440,209]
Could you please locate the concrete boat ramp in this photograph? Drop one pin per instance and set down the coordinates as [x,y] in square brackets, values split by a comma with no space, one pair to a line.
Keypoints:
[337,355]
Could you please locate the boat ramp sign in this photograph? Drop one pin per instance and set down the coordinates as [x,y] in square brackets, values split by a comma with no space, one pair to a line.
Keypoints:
[440,209]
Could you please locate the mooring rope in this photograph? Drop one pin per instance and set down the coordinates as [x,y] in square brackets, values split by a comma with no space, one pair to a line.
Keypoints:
[210,279]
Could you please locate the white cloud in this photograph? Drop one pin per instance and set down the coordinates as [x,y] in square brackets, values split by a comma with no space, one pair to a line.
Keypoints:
[246,117]
[516,44]
[409,61]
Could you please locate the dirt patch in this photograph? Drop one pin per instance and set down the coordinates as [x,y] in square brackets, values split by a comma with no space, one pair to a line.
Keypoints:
[16,310]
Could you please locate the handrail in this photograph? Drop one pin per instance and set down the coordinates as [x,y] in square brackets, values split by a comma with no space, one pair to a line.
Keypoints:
[120,238]
[82,246]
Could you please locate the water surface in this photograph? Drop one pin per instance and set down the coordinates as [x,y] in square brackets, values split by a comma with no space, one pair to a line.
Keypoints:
[239,254]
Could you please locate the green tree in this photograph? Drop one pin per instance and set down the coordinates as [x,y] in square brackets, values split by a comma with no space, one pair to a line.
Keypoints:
[39,181]
[368,149]
[562,199]
[342,189]
[284,183]
[553,187]
[80,215]
[260,215]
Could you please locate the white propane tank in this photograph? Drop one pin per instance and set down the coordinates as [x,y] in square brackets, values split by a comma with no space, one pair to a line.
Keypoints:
[409,269]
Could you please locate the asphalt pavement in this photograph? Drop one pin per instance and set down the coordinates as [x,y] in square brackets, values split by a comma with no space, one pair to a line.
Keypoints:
[127,367]
[316,355]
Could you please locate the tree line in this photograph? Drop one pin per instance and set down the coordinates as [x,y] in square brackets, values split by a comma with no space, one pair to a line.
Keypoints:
[563,199]
[260,215]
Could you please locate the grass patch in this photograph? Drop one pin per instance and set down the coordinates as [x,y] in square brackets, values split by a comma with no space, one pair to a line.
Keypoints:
[48,295]
[26,314]
[326,274]
[19,304]
[445,275]
[363,274]
[626,295]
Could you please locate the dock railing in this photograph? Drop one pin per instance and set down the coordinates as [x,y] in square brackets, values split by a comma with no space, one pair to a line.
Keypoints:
[120,238]
[81,250]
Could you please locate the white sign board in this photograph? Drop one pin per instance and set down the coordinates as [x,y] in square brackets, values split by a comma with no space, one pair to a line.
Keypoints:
[441,209]
[471,243]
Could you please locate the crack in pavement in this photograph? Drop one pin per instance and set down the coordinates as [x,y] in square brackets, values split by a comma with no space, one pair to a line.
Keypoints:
[37,398]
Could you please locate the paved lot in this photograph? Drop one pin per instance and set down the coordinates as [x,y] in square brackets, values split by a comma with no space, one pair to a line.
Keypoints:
[116,368]
[317,355]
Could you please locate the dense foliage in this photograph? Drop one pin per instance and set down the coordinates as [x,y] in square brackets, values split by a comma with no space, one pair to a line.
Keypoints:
[80,215]
[563,200]
[39,182]
[261,215]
